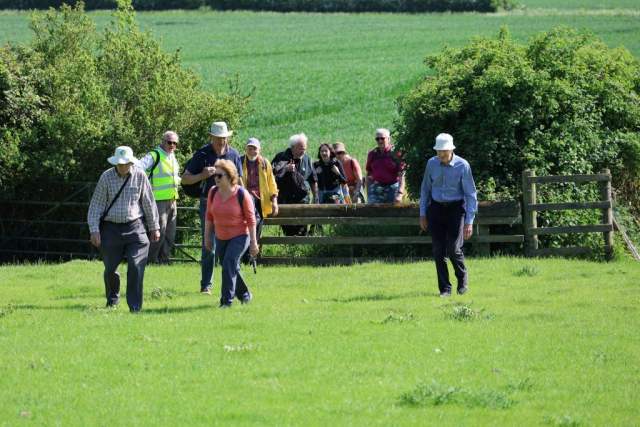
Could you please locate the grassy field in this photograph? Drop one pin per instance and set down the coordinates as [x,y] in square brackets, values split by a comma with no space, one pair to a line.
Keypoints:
[337,76]
[534,342]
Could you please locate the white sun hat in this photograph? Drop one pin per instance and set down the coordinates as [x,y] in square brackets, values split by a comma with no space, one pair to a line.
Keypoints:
[444,141]
[122,156]
[220,130]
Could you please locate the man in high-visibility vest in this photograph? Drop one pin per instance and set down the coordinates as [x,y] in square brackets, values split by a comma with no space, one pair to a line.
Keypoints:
[163,171]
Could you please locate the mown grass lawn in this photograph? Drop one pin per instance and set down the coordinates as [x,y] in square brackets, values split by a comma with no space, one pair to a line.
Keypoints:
[534,342]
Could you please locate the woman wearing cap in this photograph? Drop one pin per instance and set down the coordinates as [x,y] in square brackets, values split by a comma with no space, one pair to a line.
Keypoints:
[352,171]
[330,175]
[230,209]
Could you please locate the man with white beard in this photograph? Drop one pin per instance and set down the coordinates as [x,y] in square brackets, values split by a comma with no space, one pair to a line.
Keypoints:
[261,184]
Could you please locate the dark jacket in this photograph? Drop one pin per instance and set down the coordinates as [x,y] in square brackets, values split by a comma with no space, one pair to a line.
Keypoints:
[293,187]
[327,179]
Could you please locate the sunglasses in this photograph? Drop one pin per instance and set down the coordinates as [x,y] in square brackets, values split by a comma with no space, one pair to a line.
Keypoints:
[219,175]
[380,138]
[171,142]
[340,153]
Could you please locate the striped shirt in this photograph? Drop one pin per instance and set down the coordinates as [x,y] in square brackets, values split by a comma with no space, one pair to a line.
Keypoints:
[135,199]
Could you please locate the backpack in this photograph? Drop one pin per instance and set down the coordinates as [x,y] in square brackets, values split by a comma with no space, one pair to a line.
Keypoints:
[241,192]
[195,189]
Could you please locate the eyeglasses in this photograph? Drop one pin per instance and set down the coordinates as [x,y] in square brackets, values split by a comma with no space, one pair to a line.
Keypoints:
[340,153]
[171,142]
[219,175]
[381,138]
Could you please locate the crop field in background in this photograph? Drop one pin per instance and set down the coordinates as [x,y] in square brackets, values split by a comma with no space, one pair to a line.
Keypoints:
[336,77]
[534,342]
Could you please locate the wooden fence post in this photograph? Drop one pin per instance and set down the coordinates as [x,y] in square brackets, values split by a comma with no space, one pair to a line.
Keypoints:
[607,214]
[530,221]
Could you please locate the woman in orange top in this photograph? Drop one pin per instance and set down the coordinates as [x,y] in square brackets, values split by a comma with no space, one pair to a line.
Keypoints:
[230,212]
[353,172]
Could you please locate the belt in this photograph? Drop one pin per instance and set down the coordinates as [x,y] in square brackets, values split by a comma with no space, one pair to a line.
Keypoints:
[124,223]
[447,203]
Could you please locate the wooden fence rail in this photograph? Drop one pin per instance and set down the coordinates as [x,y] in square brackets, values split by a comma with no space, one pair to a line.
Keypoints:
[531,208]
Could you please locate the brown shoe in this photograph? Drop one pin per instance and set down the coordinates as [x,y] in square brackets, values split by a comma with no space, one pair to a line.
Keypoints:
[206,291]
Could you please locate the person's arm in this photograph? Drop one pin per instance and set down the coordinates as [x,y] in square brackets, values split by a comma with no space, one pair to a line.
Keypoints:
[208,225]
[471,200]
[400,194]
[96,208]
[145,162]
[149,208]
[357,171]
[338,169]
[190,176]
[314,190]
[253,242]
[272,188]
[425,197]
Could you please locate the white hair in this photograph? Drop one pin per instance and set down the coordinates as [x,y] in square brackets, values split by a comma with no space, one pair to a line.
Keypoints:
[297,139]
[384,132]
[169,133]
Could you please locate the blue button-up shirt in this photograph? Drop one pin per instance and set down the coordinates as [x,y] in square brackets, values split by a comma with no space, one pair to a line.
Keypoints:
[449,183]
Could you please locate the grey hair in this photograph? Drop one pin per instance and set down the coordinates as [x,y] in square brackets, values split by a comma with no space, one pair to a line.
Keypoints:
[384,132]
[297,139]
[168,133]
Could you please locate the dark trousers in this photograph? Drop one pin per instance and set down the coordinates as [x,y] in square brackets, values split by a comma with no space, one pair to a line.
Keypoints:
[116,241]
[229,253]
[446,223]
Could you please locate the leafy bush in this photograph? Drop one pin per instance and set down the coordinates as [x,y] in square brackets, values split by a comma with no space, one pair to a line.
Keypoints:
[73,94]
[103,4]
[562,104]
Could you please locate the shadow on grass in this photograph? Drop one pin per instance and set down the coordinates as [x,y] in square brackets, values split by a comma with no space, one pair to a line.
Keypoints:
[379,297]
[121,306]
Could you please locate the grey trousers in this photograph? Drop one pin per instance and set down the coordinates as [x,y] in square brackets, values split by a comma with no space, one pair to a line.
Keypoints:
[116,241]
[160,251]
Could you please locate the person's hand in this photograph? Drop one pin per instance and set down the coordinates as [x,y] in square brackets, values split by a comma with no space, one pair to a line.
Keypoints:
[290,167]
[319,169]
[316,200]
[253,248]
[423,223]
[335,170]
[208,243]
[398,198]
[208,171]
[274,207]
[95,239]
[155,235]
[468,231]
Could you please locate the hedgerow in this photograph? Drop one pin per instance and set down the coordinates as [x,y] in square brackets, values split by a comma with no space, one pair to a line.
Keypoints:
[562,104]
[410,6]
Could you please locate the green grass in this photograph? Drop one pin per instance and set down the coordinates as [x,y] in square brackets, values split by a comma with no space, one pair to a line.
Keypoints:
[358,345]
[336,76]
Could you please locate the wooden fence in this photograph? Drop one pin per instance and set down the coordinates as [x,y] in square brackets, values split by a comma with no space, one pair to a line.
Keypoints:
[531,208]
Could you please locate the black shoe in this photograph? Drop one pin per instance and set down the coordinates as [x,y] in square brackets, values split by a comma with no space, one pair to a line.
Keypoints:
[225,305]
[462,291]
[111,304]
[134,310]
[444,294]
[247,299]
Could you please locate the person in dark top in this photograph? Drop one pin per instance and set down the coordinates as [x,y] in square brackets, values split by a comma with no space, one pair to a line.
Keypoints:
[295,175]
[331,175]
[200,168]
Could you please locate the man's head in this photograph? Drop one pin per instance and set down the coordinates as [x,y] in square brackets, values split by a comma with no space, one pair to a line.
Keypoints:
[383,138]
[169,141]
[444,147]
[298,145]
[218,135]
[122,159]
[252,149]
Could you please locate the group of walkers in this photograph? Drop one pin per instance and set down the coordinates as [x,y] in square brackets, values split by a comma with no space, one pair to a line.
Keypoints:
[236,192]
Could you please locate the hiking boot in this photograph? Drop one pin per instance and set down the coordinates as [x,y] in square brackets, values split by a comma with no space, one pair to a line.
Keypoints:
[444,294]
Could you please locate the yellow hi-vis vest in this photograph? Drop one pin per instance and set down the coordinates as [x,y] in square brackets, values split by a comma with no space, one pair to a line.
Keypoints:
[165,178]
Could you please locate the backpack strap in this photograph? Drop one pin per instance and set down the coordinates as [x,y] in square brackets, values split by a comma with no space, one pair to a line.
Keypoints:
[155,163]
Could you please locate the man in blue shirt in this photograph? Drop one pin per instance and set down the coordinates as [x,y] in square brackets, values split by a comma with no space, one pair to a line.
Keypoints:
[448,205]
[200,168]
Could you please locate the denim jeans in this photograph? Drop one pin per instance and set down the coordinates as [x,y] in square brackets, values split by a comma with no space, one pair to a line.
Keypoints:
[229,252]
[379,193]
[207,260]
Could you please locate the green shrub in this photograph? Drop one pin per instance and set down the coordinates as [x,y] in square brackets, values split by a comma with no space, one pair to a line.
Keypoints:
[562,104]
[73,94]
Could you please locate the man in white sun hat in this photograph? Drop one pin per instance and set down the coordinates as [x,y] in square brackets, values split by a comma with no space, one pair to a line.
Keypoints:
[122,196]
[200,169]
[448,205]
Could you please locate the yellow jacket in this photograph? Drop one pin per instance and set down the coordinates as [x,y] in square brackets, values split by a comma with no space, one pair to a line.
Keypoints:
[266,180]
